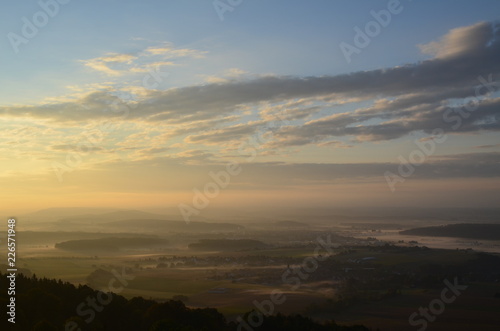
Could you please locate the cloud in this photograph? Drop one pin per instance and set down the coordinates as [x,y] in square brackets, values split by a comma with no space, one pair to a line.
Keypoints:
[167,51]
[75,148]
[463,41]
[194,163]
[290,110]
[229,75]
[102,64]
[334,143]
[472,165]
[224,135]
[489,146]
[188,128]
[116,64]
[396,101]
[151,152]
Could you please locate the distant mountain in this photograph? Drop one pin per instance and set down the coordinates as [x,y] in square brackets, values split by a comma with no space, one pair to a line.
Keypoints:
[111,244]
[53,214]
[117,215]
[157,225]
[290,224]
[227,244]
[52,237]
[124,222]
[470,231]
[25,271]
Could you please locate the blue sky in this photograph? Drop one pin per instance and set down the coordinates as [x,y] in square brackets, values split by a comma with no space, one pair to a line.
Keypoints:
[222,81]
[282,37]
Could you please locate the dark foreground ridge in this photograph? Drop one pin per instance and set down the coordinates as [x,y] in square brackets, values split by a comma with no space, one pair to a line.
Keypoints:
[47,304]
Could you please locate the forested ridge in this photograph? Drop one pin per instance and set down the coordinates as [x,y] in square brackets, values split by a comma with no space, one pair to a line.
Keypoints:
[48,304]
[470,231]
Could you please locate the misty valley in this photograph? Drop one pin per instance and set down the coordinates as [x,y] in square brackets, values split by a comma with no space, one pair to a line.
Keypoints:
[360,271]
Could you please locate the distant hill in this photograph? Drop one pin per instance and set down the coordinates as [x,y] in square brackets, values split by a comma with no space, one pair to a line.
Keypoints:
[130,221]
[52,214]
[290,224]
[44,237]
[157,225]
[227,244]
[470,231]
[110,244]
[77,219]
[118,215]
[25,271]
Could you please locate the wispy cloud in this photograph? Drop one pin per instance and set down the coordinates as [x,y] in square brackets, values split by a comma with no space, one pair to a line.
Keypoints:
[396,101]
[461,41]
[115,64]
[103,64]
[168,51]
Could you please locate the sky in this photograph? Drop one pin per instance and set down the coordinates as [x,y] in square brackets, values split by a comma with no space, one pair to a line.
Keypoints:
[239,103]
